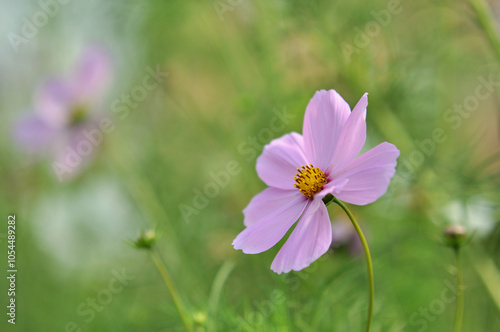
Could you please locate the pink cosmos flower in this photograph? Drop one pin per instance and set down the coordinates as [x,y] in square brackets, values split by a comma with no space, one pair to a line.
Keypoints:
[301,170]
[65,107]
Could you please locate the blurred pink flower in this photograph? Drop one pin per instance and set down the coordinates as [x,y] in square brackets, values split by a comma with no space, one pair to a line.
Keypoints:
[64,108]
[344,236]
[301,170]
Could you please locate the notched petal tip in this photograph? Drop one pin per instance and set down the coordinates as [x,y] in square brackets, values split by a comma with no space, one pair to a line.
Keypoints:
[362,105]
[326,115]
[369,175]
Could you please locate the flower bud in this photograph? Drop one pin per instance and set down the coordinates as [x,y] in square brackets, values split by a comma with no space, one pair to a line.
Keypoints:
[200,318]
[455,236]
[145,240]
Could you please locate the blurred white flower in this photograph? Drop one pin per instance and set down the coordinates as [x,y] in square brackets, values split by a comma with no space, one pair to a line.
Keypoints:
[86,227]
[477,215]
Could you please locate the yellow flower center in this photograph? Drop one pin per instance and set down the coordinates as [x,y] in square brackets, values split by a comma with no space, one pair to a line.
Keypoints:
[78,115]
[310,180]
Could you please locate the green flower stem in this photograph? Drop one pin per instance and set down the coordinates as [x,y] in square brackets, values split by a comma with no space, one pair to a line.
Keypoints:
[369,265]
[487,22]
[460,296]
[215,292]
[171,288]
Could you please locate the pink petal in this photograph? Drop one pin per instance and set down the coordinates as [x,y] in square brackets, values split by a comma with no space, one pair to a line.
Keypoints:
[353,136]
[34,134]
[332,187]
[326,114]
[369,175]
[267,202]
[53,102]
[310,239]
[266,232]
[279,161]
[93,75]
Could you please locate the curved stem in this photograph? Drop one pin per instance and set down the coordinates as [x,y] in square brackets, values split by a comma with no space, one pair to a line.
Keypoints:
[460,296]
[369,266]
[171,288]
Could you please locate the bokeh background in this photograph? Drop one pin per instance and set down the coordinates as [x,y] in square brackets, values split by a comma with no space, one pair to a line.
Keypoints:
[233,66]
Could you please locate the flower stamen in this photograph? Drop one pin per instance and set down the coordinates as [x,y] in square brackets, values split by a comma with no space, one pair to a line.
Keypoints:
[78,115]
[309,180]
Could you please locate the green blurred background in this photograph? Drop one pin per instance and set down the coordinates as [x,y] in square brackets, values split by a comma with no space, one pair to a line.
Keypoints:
[232,66]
